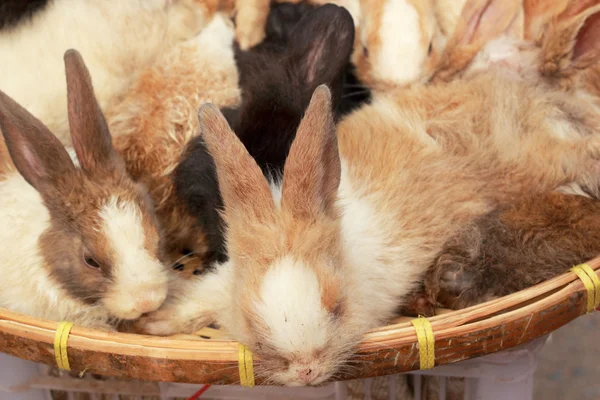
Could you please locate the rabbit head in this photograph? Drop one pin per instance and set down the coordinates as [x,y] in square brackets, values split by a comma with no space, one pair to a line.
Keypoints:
[102,243]
[288,303]
[399,42]
[318,51]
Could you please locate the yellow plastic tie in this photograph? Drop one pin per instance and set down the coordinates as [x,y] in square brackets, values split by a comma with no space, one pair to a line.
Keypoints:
[592,285]
[60,345]
[246,366]
[426,340]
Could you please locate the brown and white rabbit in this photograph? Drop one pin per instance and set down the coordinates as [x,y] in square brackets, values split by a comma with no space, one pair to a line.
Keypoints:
[80,243]
[115,38]
[334,250]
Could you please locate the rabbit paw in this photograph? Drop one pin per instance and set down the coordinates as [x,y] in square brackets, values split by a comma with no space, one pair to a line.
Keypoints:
[169,321]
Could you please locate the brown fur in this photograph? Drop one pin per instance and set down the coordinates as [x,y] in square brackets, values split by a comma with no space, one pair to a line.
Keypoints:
[318,178]
[512,249]
[153,124]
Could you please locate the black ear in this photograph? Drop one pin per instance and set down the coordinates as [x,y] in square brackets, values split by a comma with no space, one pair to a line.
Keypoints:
[196,185]
[283,18]
[38,155]
[91,137]
[320,47]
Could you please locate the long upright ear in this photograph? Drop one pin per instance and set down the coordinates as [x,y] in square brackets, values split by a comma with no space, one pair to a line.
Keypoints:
[37,154]
[572,43]
[480,21]
[312,170]
[243,187]
[320,46]
[89,131]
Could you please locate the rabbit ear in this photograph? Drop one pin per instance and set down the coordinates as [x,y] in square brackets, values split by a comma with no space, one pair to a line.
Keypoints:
[89,131]
[480,21]
[586,50]
[483,20]
[37,154]
[572,43]
[321,44]
[312,170]
[244,188]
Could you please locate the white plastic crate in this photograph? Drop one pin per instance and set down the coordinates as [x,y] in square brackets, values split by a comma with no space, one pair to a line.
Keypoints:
[506,375]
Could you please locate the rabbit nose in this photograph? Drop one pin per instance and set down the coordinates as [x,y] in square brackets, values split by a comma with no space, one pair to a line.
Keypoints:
[306,375]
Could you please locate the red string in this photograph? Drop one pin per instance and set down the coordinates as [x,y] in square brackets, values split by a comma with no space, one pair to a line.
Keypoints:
[199,393]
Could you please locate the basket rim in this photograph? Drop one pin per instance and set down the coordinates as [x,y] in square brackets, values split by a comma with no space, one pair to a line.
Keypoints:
[449,326]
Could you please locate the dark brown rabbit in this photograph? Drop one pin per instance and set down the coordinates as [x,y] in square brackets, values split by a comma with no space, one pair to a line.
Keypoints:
[512,249]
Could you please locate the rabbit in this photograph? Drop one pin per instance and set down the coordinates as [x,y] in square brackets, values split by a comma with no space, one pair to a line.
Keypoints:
[282,19]
[333,250]
[116,39]
[317,51]
[14,12]
[398,43]
[514,248]
[156,119]
[84,246]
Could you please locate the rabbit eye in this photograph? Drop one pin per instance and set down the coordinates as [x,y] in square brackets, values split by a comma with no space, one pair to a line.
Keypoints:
[430,48]
[90,262]
[178,267]
[186,252]
[366,51]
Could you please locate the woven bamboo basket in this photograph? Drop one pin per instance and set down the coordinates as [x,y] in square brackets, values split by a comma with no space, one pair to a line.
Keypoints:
[209,358]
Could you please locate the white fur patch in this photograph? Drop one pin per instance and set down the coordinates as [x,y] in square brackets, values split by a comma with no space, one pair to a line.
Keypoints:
[290,305]
[390,273]
[402,52]
[138,275]
[276,191]
[218,34]
[73,156]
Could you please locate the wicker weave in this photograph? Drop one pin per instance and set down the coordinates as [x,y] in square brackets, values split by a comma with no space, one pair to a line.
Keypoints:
[490,327]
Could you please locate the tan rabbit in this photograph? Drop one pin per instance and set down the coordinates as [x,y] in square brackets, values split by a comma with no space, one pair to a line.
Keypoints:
[398,42]
[80,243]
